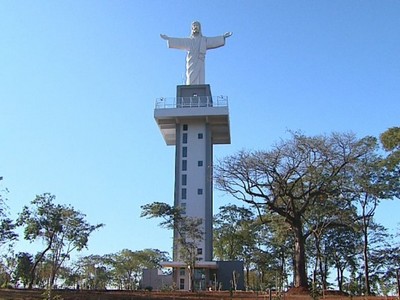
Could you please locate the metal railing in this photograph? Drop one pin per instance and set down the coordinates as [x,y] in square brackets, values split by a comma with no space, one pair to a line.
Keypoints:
[188,102]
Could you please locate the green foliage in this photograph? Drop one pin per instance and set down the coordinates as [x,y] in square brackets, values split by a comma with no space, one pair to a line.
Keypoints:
[7,265]
[368,182]
[171,215]
[127,266]
[121,270]
[341,246]
[189,229]
[7,226]
[260,241]
[321,191]
[307,181]
[93,272]
[233,232]
[61,228]
[71,275]
[390,139]
[188,232]
[22,272]
[7,233]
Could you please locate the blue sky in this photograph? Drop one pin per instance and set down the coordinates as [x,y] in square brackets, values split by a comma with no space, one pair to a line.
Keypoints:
[78,81]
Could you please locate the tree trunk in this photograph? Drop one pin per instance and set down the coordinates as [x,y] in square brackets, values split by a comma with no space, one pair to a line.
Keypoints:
[50,293]
[52,280]
[317,261]
[314,279]
[300,271]
[340,280]
[37,262]
[282,269]
[366,267]
[366,271]
[247,277]
[324,272]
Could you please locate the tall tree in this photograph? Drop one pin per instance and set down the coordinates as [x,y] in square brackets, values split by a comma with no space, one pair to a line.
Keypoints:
[7,266]
[342,246]
[291,180]
[378,257]
[61,228]
[7,226]
[331,214]
[280,243]
[127,265]
[94,271]
[22,271]
[390,263]
[236,235]
[231,230]
[70,274]
[188,231]
[369,181]
[390,140]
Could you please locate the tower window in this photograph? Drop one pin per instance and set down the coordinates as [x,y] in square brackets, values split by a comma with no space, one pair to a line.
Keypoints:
[199,251]
[200,163]
[184,165]
[200,136]
[184,151]
[184,179]
[184,138]
[183,196]
[183,206]
[185,127]
[199,191]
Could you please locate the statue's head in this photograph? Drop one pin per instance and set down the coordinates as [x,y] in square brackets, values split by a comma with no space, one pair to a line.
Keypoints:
[196,28]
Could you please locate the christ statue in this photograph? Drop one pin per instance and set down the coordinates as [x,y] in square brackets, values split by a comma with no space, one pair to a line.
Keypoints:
[196,46]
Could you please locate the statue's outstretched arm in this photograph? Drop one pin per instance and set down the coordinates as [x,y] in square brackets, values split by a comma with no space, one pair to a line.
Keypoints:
[164,37]
[227,34]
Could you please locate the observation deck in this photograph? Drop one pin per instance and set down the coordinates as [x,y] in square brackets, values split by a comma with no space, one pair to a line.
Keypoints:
[213,111]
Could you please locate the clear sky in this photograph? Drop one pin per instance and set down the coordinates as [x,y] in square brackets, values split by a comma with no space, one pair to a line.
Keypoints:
[78,82]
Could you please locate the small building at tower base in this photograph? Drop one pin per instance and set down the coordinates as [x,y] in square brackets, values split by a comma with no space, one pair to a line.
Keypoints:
[224,276]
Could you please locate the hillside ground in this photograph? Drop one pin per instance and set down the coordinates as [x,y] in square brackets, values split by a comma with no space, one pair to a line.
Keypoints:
[16,294]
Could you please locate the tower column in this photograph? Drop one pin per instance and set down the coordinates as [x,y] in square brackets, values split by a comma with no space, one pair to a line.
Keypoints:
[194,123]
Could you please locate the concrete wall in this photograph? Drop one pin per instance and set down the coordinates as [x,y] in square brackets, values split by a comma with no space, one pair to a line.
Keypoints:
[225,274]
[155,279]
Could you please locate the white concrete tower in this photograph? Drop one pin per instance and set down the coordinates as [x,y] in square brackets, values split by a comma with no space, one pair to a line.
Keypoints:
[194,121]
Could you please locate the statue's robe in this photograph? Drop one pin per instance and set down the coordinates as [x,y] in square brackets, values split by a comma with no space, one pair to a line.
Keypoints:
[196,48]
